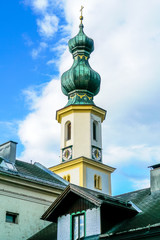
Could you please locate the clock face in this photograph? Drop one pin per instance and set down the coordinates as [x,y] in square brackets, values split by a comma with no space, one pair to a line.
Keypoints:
[67,154]
[96,154]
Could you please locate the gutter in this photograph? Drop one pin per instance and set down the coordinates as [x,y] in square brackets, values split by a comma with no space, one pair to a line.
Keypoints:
[32,179]
[135,233]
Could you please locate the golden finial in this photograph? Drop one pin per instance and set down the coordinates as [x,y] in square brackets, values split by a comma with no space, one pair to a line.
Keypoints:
[81,17]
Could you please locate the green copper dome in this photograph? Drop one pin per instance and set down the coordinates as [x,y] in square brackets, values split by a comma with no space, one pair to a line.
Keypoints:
[81,44]
[80,83]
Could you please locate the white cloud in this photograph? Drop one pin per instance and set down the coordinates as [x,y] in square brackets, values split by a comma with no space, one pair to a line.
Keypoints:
[127,56]
[36,51]
[48,25]
[37,5]
[140,183]
[39,132]
[119,155]
[40,5]
[47,16]
[53,61]
[60,48]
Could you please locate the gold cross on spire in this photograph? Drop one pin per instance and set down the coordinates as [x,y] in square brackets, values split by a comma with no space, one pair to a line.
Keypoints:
[81,10]
[81,17]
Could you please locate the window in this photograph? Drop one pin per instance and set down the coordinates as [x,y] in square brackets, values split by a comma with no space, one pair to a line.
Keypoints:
[67,178]
[95,131]
[97,182]
[68,130]
[78,226]
[11,217]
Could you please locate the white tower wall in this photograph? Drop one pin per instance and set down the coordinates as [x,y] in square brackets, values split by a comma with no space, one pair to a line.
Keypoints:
[81,133]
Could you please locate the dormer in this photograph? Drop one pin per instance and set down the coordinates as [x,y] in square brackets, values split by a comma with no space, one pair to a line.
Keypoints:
[83,213]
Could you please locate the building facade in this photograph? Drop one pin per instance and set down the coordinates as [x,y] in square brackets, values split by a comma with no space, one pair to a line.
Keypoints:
[81,213]
[26,191]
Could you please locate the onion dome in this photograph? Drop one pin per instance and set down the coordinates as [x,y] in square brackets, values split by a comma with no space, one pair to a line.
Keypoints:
[81,44]
[80,83]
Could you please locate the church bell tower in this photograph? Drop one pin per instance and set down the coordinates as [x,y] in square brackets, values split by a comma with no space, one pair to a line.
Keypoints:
[81,120]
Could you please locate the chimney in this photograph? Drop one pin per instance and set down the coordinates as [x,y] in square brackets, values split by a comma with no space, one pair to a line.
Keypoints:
[155,177]
[8,151]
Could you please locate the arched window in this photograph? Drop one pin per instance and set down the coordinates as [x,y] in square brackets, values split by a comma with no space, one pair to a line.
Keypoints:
[68,130]
[97,182]
[68,178]
[94,130]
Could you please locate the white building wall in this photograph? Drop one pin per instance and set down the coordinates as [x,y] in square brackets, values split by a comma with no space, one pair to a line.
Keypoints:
[63,232]
[90,180]
[93,226]
[29,205]
[74,175]
[81,134]
[64,142]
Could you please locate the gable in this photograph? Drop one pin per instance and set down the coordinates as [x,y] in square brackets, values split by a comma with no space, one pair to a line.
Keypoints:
[71,204]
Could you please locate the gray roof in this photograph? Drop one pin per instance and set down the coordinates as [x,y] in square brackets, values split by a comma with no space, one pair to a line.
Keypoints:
[131,213]
[35,173]
[148,216]
[47,233]
[98,199]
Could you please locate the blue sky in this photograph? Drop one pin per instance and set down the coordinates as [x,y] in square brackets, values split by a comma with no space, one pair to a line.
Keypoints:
[34,53]
[24,54]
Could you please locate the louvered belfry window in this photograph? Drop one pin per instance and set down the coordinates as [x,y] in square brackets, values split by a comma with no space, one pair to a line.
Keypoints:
[94,131]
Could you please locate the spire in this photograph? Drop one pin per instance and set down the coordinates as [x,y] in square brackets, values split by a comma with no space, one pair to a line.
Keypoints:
[80,83]
[81,17]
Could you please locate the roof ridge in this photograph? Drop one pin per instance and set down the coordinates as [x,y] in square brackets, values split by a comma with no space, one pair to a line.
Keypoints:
[17,160]
[132,192]
[40,166]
